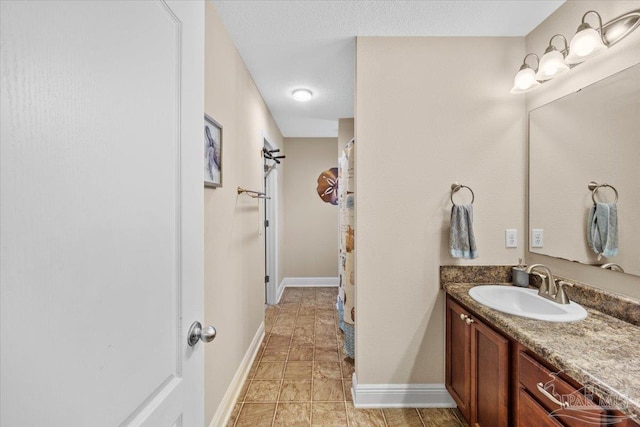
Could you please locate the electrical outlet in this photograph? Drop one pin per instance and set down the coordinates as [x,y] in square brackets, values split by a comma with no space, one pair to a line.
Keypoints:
[510,238]
[537,237]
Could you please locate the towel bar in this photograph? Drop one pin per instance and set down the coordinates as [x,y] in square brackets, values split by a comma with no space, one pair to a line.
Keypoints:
[594,186]
[456,187]
[253,194]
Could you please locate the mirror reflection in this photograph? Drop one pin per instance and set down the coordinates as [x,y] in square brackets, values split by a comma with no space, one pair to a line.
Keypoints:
[584,175]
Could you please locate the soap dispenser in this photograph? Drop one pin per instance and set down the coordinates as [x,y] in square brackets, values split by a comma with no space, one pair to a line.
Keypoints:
[520,275]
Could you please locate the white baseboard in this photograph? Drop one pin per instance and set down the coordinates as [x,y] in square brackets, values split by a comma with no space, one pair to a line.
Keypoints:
[280,290]
[400,395]
[295,282]
[223,413]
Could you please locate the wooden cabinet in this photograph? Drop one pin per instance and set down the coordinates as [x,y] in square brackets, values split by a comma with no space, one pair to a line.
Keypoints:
[477,368]
[550,391]
[497,382]
[532,414]
[548,388]
[489,377]
[623,422]
[458,361]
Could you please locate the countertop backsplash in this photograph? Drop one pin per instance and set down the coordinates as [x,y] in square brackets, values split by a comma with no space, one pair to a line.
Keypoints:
[475,274]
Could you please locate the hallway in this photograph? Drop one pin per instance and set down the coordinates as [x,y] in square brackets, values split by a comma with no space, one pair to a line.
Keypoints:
[301,377]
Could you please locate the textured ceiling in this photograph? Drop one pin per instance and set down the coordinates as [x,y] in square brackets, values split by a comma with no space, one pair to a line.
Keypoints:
[291,44]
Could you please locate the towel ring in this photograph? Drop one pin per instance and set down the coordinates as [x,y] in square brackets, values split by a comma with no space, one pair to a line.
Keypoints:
[594,186]
[456,187]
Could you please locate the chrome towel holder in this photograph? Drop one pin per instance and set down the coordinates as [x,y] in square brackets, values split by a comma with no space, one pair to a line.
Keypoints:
[594,186]
[456,186]
[253,194]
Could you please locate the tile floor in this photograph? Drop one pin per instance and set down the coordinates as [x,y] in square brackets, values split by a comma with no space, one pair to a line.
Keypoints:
[301,376]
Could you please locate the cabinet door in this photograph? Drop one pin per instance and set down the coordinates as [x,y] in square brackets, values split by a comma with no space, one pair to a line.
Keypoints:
[489,377]
[532,414]
[458,362]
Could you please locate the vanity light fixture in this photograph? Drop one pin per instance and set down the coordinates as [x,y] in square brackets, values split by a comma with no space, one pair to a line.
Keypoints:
[525,80]
[302,95]
[585,44]
[552,63]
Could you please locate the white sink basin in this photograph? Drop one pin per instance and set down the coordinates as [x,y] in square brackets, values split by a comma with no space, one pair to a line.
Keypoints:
[526,303]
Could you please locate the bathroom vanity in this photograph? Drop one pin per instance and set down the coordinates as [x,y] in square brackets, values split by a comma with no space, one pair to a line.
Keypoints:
[505,370]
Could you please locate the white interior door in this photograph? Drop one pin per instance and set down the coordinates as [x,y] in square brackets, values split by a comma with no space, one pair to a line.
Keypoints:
[101,213]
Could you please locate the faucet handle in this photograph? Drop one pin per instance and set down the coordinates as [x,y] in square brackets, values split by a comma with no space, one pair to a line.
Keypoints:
[561,295]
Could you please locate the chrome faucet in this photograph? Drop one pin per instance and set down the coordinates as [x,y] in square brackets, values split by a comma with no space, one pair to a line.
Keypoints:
[548,288]
[548,284]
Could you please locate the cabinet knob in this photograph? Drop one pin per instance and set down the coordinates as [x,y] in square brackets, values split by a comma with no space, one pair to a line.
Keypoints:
[466,318]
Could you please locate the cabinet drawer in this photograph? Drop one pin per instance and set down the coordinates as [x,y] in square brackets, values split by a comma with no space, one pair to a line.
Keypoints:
[531,414]
[531,373]
[624,422]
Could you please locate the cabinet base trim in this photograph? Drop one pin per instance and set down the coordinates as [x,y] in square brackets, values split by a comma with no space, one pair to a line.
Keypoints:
[400,395]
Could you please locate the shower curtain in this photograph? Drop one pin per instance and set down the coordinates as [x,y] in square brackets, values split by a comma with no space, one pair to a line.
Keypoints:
[346,199]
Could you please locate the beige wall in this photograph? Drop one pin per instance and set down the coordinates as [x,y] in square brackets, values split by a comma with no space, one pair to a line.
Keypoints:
[346,129]
[429,111]
[234,248]
[311,233]
[620,56]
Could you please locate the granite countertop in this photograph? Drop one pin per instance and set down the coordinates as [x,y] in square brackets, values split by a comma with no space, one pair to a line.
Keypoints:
[600,350]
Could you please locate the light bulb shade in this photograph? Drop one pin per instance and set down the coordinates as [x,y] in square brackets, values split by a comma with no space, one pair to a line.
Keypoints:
[551,65]
[586,44]
[525,81]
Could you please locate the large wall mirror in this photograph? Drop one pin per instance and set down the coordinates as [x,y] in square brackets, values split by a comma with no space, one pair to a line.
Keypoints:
[589,135]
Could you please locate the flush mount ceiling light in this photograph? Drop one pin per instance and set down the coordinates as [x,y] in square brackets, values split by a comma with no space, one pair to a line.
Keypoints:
[526,78]
[585,44]
[302,95]
[552,63]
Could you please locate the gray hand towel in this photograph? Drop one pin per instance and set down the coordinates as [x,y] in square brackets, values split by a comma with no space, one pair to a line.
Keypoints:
[462,243]
[602,229]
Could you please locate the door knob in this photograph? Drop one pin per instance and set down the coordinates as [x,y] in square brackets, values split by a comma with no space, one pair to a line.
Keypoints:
[196,332]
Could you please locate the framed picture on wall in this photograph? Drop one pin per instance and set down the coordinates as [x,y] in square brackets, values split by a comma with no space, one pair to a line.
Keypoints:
[212,153]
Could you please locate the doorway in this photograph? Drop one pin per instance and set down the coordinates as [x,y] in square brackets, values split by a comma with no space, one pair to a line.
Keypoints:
[270,224]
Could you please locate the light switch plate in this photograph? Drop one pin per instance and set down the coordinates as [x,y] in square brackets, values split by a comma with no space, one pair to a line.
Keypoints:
[537,237]
[511,238]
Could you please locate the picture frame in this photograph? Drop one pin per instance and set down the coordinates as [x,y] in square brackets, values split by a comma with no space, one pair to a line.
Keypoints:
[212,154]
